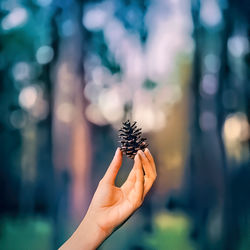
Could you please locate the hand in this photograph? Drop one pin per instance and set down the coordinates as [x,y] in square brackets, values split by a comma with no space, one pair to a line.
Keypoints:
[112,205]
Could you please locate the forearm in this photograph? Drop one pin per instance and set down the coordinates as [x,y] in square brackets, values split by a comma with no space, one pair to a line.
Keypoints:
[112,205]
[88,236]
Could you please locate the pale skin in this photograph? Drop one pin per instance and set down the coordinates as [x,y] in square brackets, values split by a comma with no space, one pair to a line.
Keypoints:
[112,205]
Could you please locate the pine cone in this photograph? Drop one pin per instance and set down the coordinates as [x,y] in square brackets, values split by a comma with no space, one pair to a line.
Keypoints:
[131,140]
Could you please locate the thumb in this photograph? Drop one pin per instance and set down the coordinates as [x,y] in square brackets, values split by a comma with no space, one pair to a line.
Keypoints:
[114,167]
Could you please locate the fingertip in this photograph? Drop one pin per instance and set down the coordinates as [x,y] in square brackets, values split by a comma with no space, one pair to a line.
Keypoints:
[117,159]
[148,154]
[141,153]
[118,152]
[136,157]
[137,161]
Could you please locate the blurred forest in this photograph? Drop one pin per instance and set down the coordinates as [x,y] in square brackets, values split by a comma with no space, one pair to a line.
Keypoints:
[71,71]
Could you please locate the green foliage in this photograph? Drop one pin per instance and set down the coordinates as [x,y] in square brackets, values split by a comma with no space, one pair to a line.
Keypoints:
[171,231]
[23,234]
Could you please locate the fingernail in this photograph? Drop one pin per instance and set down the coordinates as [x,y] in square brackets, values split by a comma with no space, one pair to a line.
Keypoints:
[117,150]
[141,152]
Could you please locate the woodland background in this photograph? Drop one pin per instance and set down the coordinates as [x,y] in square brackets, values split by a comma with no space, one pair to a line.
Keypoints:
[71,71]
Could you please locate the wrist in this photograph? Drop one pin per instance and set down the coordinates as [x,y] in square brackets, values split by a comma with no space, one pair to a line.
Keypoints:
[88,236]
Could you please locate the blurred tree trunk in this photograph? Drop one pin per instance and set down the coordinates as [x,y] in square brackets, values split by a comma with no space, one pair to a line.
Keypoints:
[204,186]
[211,191]
[71,130]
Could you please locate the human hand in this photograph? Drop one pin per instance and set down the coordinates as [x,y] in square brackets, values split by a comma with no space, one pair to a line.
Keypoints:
[112,205]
